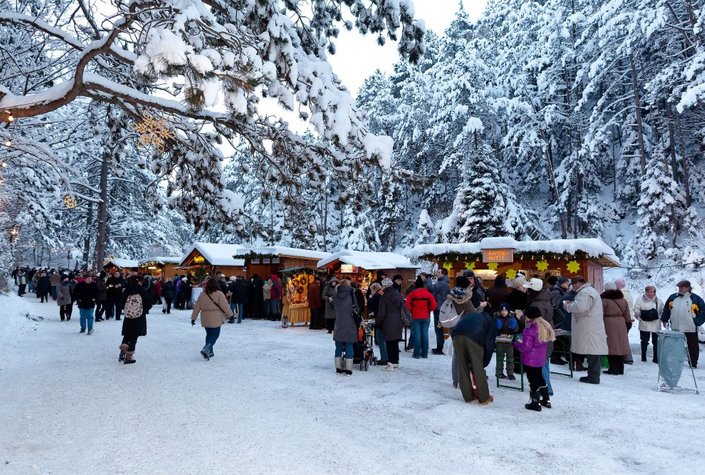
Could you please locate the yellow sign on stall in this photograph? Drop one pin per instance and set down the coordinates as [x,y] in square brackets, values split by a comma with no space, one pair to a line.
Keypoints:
[498,255]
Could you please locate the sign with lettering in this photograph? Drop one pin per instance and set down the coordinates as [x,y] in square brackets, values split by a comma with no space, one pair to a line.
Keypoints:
[347,269]
[498,255]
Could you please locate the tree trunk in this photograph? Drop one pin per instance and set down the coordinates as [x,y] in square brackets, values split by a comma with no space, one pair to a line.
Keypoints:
[103,203]
[552,182]
[639,122]
[672,141]
[87,239]
[684,162]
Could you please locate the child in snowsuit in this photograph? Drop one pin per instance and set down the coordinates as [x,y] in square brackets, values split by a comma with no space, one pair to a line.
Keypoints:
[533,346]
[507,325]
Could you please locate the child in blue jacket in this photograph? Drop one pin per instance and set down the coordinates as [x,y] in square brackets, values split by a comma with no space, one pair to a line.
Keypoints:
[507,325]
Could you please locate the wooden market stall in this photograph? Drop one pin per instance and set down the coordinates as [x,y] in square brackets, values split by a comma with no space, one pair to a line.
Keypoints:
[112,264]
[365,266]
[205,258]
[504,255]
[160,266]
[296,268]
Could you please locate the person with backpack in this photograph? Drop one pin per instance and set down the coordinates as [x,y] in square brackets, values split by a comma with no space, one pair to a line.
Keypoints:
[533,347]
[135,307]
[648,309]
[213,307]
[420,303]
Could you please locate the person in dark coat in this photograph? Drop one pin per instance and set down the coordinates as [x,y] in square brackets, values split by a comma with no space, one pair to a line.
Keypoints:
[498,294]
[85,293]
[43,287]
[517,298]
[345,330]
[257,302]
[168,294]
[561,319]
[360,297]
[133,327]
[239,296]
[315,305]
[473,342]
[440,288]
[388,317]
[115,287]
[328,294]
[376,292]
[100,306]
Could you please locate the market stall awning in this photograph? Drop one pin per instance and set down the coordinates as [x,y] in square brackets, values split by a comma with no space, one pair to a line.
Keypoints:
[592,247]
[160,260]
[216,254]
[121,263]
[369,260]
[280,251]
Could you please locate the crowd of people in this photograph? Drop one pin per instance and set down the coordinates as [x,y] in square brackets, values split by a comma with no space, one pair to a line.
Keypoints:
[556,321]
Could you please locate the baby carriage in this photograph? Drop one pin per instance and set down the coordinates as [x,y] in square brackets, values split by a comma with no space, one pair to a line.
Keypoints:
[363,349]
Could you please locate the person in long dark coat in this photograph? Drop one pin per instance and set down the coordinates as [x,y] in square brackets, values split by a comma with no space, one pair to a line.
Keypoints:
[388,317]
[345,330]
[315,305]
[328,294]
[133,327]
[256,300]
[168,294]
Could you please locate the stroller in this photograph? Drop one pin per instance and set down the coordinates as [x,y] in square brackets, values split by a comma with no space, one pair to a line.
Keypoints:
[363,350]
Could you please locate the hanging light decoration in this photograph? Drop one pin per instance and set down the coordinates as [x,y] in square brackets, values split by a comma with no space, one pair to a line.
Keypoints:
[70,201]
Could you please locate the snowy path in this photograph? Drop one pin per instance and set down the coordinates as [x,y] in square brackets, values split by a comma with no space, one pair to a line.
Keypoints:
[270,402]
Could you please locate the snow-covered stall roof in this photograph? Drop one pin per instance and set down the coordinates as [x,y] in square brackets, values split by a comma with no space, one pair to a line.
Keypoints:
[217,254]
[122,263]
[282,251]
[593,247]
[369,260]
[161,260]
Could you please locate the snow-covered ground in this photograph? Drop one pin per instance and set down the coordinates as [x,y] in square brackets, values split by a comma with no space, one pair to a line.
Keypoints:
[270,402]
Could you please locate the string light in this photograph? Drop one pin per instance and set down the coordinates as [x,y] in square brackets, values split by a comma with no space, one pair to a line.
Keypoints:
[3,164]
[8,143]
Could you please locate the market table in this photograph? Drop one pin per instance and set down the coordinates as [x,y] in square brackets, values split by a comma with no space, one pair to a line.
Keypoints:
[299,313]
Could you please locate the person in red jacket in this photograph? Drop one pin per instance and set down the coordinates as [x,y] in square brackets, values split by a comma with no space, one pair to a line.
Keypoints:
[420,303]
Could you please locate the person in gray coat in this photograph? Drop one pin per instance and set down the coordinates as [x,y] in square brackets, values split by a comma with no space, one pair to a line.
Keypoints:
[64,298]
[345,330]
[328,293]
[389,319]
[588,327]
[440,290]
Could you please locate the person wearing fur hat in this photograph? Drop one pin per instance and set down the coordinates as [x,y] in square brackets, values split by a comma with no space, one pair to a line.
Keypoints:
[388,317]
[616,314]
[536,336]
[507,325]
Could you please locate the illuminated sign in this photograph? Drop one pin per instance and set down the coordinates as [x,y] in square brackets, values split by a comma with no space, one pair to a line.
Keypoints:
[199,259]
[498,255]
[347,269]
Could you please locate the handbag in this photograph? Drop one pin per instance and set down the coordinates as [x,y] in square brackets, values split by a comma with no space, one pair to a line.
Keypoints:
[405,315]
[357,316]
[650,315]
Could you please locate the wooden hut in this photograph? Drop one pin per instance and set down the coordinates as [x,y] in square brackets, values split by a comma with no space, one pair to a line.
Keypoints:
[160,266]
[365,266]
[204,258]
[296,267]
[112,264]
[504,255]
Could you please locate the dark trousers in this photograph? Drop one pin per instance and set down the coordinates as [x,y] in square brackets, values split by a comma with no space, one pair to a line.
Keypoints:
[330,324]
[168,305]
[130,341]
[99,309]
[535,377]
[113,308]
[393,351]
[616,364]
[439,331]
[594,368]
[469,357]
[22,290]
[65,311]
[645,336]
[316,319]
[693,349]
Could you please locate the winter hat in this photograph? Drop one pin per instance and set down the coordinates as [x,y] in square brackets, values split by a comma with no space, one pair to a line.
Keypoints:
[462,282]
[386,283]
[610,285]
[468,273]
[398,277]
[458,293]
[532,313]
[374,288]
[232,278]
[620,284]
[684,283]
[534,284]
[505,306]
[562,280]
[518,281]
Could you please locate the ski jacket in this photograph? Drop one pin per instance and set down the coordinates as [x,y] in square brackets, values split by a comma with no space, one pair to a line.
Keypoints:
[421,303]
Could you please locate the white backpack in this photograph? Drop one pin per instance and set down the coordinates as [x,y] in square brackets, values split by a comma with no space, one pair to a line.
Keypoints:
[133,306]
[448,317]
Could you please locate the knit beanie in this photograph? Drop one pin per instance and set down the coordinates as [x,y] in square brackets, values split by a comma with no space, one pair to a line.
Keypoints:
[462,282]
[458,293]
[387,283]
[532,313]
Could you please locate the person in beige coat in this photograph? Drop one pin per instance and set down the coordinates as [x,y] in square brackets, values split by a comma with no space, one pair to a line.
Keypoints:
[648,309]
[588,327]
[213,307]
[615,311]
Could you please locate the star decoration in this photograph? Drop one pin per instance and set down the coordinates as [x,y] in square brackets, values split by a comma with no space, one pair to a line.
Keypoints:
[492,266]
[573,267]
[470,265]
[153,131]
[542,265]
[447,265]
[70,201]
[511,274]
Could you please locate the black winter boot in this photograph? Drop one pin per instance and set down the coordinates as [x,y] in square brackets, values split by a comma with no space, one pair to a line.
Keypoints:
[655,344]
[545,399]
[534,405]
[644,346]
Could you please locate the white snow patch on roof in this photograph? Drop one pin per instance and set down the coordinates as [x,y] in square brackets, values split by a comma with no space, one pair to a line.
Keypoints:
[369,260]
[123,263]
[218,254]
[283,251]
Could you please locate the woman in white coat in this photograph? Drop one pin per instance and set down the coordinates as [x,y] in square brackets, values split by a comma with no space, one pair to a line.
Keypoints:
[648,309]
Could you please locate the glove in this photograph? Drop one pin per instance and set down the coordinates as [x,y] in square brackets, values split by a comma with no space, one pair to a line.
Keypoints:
[193,322]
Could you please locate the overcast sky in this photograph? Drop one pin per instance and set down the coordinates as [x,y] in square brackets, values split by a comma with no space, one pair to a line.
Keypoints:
[359,56]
